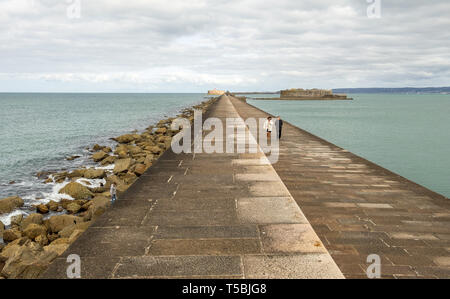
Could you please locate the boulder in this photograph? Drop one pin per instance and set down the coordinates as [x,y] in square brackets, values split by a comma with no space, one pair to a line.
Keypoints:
[80,202]
[2,228]
[130,170]
[12,246]
[28,262]
[34,230]
[114,179]
[9,250]
[77,173]
[60,177]
[9,204]
[73,208]
[122,188]
[97,147]
[161,130]
[122,154]
[101,189]
[65,202]
[140,169]
[122,165]
[61,241]
[121,147]
[155,149]
[17,219]
[107,149]
[43,209]
[52,205]
[147,144]
[71,158]
[134,150]
[32,219]
[141,160]
[10,235]
[164,139]
[86,205]
[52,237]
[75,235]
[108,160]
[127,138]
[76,191]
[98,206]
[43,174]
[98,156]
[149,159]
[59,222]
[42,240]
[68,230]
[94,173]
[57,249]
[129,178]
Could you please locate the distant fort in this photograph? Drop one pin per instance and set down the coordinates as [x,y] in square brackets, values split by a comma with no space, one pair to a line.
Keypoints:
[310,94]
[300,94]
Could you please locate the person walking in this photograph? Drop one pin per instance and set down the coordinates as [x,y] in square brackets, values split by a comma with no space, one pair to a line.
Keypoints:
[268,124]
[113,192]
[279,126]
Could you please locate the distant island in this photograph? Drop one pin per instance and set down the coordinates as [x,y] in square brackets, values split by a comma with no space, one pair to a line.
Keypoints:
[311,94]
[300,94]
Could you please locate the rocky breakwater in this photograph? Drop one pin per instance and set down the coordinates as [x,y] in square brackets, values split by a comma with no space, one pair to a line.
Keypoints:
[31,243]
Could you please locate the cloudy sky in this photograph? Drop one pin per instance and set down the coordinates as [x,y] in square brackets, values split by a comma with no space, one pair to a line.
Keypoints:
[191,46]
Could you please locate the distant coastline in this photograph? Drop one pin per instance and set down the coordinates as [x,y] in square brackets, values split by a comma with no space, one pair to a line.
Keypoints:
[412,90]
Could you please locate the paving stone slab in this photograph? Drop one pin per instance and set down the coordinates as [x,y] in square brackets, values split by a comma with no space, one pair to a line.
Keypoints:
[91,268]
[204,247]
[117,241]
[290,238]
[269,210]
[256,177]
[156,266]
[268,189]
[291,266]
[191,218]
[125,213]
[181,203]
[207,232]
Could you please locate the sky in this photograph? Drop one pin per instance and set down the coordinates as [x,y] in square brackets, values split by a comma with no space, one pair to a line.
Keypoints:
[243,45]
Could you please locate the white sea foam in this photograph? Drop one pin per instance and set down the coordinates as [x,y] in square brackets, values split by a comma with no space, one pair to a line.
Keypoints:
[6,218]
[25,184]
[54,194]
[91,183]
[108,167]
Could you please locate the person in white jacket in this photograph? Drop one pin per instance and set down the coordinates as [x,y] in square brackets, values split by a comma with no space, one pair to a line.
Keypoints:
[113,191]
[268,126]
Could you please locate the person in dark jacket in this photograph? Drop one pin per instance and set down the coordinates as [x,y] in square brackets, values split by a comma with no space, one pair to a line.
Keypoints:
[279,126]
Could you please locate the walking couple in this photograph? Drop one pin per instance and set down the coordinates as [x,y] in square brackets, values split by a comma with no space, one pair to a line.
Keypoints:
[270,125]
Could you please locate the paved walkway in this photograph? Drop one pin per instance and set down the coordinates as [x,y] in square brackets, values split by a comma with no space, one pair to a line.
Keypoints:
[203,216]
[358,208]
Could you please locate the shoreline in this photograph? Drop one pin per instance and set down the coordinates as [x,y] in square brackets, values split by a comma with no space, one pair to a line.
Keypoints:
[31,243]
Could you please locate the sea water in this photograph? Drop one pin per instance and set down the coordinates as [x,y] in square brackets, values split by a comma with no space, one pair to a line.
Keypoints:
[408,134]
[39,130]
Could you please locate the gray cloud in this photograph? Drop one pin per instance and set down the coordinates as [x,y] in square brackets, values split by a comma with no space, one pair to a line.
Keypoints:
[141,45]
